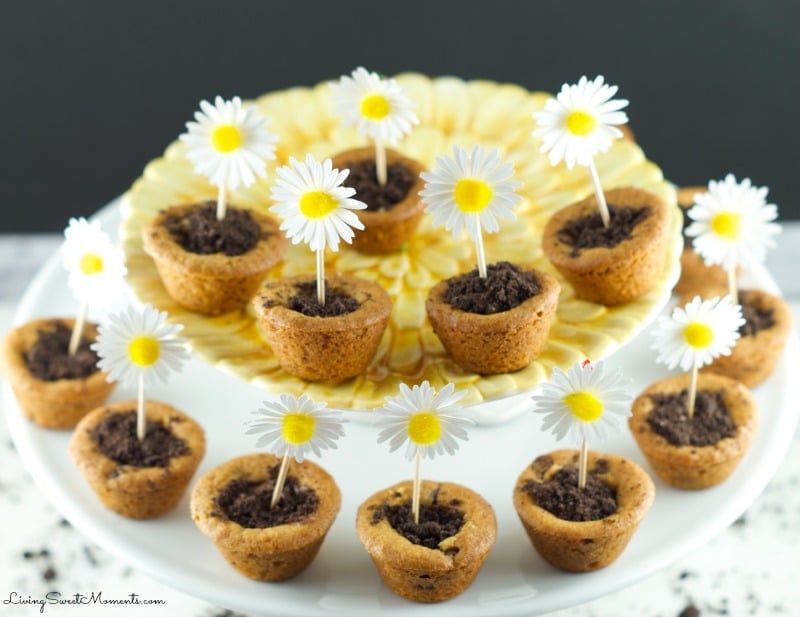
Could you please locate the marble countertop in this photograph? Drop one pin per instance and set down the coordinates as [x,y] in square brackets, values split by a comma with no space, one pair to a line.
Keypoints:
[749,569]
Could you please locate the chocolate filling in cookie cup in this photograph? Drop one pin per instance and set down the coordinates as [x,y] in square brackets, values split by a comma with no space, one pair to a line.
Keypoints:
[265,546]
[209,266]
[138,479]
[612,265]
[760,345]
[331,344]
[582,541]
[707,448]
[413,561]
[497,341]
[53,389]
[393,210]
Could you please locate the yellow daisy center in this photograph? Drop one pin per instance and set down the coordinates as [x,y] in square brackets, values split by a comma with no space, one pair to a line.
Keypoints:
[424,428]
[226,138]
[472,196]
[584,406]
[698,335]
[726,224]
[144,351]
[91,263]
[375,107]
[298,428]
[317,204]
[580,123]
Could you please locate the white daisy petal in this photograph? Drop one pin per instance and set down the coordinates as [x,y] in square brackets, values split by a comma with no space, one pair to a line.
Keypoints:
[379,108]
[442,423]
[95,267]
[462,191]
[229,143]
[698,332]
[732,222]
[583,401]
[332,220]
[298,426]
[136,343]
[574,126]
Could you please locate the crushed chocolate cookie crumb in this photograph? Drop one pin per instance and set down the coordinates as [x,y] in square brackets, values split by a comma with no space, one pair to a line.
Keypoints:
[49,359]
[116,437]
[589,231]
[755,318]
[200,232]
[247,502]
[336,302]
[561,496]
[710,422]
[364,179]
[436,522]
[506,285]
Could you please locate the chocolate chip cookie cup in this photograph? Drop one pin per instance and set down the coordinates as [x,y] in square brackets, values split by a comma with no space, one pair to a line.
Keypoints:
[259,545]
[212,271]
[584,545]
[394,210]
[138,479]
[329,345]
[441,569]
[55,396]
[498,342]
[612,265]
[701,452]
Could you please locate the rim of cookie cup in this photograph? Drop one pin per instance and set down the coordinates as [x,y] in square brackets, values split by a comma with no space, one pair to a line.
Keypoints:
[419,573]
[214,283]
[128,490]
[317,348]
[271,553]
[584,546]
[58,404]
[500,342]
[696,467]
[618,274]
[386,231]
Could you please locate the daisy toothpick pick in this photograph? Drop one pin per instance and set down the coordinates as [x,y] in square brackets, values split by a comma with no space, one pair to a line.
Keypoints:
[316,209]
[379,108]
[732,222]
[139,346]
[470,191]
[293,428]
[428,420]
[580,122]
[228,143]
[96,270]
[696,334]
[582,402]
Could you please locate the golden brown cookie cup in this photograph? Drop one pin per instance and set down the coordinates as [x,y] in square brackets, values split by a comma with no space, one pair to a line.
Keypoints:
[583,546]
[138,492]
[696,467]
[386,231]
[622,273]
[216,283]
[500,342]
[754,357]
[51,404]
[270,553]
[696,276]
[315,348]
[419,573]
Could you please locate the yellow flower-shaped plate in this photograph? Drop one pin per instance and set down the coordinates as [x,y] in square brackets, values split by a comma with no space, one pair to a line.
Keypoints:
[451,111]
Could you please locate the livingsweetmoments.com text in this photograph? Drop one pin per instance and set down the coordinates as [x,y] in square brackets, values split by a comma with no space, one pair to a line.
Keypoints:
[55,598]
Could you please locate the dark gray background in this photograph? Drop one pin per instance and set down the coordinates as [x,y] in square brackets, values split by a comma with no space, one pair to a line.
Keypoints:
[93,90]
